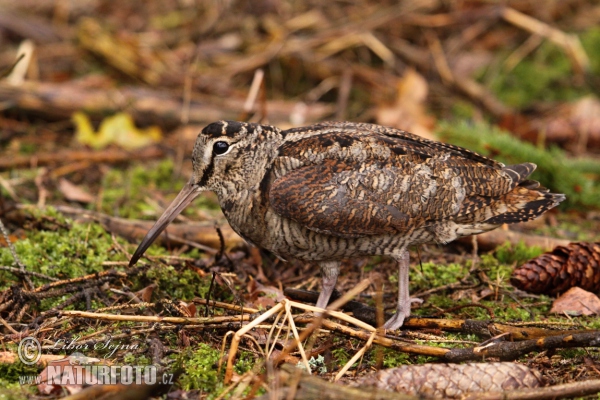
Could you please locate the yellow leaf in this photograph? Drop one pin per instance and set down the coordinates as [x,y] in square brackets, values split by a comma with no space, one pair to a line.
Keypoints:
[118,129]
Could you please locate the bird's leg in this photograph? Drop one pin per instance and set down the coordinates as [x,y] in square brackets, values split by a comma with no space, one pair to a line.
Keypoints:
[404,300]
[329,274]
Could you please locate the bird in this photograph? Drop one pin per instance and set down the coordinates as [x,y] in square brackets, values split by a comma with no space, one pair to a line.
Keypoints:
[339,190]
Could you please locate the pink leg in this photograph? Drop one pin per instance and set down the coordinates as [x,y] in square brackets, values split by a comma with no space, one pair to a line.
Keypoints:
[404,300]
[329,271]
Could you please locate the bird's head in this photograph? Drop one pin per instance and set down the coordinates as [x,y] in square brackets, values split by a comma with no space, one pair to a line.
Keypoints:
[227,156]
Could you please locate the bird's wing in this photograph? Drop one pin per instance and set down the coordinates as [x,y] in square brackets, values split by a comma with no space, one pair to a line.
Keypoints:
[331,198]
[347,180]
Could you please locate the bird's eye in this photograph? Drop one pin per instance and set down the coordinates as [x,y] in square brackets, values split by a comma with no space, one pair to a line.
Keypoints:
[220,148]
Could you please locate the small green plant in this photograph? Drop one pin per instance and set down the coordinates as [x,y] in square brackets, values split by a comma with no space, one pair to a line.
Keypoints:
[245,362]
[432,275]
[127,191]
[340,355]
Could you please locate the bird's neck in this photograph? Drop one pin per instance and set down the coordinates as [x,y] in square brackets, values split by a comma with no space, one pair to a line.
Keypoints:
[245,211]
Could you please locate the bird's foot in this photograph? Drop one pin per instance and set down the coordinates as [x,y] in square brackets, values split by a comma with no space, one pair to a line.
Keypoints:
[402,312]
[415,300]
[395,322]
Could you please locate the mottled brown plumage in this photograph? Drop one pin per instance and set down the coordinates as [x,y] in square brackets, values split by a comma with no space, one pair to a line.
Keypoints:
[340,189]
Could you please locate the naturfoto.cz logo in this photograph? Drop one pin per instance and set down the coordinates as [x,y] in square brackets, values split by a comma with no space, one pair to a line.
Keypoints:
[63,375]
[75,369]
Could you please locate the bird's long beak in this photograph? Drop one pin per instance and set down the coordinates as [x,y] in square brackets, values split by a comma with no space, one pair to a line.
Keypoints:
[189,192]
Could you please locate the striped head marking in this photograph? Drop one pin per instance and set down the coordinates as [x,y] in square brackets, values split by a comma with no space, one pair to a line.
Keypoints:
[226,150]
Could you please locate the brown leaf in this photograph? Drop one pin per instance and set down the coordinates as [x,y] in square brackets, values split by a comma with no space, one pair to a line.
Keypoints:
[68,373]
[287,359]
[577,301]
[146,293]
[73,192]
[189,308]
[575,125]
[408,111]
[272,294]
[12,238]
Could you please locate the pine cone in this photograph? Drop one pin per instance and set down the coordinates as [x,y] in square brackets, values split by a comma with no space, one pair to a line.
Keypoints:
[577,264]
[453,380]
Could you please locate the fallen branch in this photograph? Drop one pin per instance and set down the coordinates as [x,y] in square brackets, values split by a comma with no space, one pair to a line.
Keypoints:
[156,319]
[493,239]
[485,328]
[514,350]
[109,156]
[204,234]
[146,106]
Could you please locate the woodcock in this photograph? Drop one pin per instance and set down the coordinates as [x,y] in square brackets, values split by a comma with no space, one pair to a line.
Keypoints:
[340,189]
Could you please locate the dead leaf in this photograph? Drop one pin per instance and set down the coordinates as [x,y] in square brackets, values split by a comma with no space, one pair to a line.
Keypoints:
[118,129]
[184,338]
[575,125]
[145,294]
[188,308]
[272,294]
[577,301]
[68,373]
[408,112]
[264,302]
[276,354]
[73,192]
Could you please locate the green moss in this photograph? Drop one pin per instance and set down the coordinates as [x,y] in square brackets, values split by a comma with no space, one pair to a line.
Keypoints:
[125,193]
[433,275]
[440,300]
[17,393]
[462,109]
[573,354]
[9,380]
[591,322]
[498,266]
[73,249]
[244,362]
[133,359]
[509,254]
[590,41]
[573,228]
[340,355]
[201,371]
[184,285]
[393,358]
[63,253]
[545,75]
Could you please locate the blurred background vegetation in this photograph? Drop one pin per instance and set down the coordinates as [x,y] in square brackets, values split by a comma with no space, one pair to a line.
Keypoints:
[514,80]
